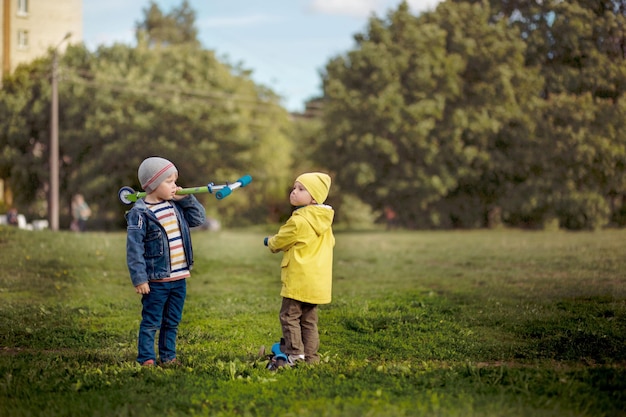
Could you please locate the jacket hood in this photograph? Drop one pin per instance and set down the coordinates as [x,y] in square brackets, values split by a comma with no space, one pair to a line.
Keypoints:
[319,216]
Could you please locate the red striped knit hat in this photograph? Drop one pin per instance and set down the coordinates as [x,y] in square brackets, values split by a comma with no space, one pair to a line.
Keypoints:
[153,171]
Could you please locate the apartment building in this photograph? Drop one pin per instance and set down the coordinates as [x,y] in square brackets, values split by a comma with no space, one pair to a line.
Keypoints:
[31,27]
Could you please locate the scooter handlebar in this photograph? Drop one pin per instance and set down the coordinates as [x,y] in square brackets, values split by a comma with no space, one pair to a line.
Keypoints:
[127,195]
[227,190]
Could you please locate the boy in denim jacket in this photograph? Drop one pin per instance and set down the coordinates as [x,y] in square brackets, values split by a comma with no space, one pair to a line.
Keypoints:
[160,257]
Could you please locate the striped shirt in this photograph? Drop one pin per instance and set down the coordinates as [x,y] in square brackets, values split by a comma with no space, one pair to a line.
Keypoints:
[165,212]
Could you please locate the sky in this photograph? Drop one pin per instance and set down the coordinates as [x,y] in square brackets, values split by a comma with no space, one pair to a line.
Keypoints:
[285,43]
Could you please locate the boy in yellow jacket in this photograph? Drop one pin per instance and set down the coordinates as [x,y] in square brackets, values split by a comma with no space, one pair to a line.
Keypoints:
[307,241]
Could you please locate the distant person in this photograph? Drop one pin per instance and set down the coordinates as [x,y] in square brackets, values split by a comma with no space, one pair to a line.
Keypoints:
[307,241]
[160,257]
[80,213]
[390,217]
[12,217]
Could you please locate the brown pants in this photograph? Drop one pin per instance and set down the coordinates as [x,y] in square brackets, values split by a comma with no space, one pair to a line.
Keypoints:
[299,324]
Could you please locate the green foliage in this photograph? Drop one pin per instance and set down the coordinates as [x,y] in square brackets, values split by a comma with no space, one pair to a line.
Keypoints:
[24,126]
[478,110]
[354,214]
[478,113]
[422,111]
[175,28]
[421,323]
[119,105]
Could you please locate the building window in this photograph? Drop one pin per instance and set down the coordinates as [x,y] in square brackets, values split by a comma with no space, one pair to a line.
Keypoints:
[22,39]
[22,7]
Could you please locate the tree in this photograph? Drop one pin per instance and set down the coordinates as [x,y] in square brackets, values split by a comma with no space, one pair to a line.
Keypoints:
[484,111]
[174,28]
[580,47]
[24,134]
[185,104]
[119,105]
[416,111]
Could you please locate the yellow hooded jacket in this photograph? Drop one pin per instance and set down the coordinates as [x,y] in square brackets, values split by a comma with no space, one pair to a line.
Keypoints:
[307,266]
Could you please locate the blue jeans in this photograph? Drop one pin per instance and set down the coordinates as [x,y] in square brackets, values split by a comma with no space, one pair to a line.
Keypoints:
[162,311]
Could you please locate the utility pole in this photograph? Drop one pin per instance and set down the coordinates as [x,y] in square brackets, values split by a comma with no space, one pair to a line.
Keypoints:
[53,204]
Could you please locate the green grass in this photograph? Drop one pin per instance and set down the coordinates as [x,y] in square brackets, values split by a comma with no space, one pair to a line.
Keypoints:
[479,323]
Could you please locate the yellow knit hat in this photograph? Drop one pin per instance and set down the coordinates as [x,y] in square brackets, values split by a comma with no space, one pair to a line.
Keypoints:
[317,184]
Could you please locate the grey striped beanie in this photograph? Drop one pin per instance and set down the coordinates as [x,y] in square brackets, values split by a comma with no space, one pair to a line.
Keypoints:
[153,171]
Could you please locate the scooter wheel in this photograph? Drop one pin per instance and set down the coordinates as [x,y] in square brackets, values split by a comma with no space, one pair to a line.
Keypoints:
[123,194]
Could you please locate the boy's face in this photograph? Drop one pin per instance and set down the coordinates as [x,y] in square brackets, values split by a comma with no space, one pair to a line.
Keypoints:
[300,196]
[167,189]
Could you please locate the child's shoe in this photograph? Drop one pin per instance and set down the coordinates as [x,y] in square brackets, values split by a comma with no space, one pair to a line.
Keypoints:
[148,363]
[286,361]
[278,359]
[293,359]
[171,363]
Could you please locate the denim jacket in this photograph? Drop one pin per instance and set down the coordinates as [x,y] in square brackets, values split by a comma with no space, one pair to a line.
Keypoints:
[147,246]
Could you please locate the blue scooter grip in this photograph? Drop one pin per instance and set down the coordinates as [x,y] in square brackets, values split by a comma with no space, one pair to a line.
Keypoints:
[223,193]
[245,180]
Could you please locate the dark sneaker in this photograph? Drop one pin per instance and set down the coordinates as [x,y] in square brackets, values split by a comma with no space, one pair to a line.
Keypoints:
[171,363]
[284,361]
[277,362]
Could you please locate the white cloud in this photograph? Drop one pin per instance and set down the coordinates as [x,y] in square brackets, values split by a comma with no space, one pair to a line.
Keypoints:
[364,8]
[353,8]
[239,21]
[418,6]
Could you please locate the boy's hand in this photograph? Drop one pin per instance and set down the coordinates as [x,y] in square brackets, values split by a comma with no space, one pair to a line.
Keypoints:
[143,288]
[177,196]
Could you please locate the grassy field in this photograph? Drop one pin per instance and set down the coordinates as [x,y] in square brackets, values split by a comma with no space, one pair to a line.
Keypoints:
[479,323]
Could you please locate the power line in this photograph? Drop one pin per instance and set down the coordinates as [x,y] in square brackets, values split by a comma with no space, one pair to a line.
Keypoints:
[165,91]
[151,89]
[257,107]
